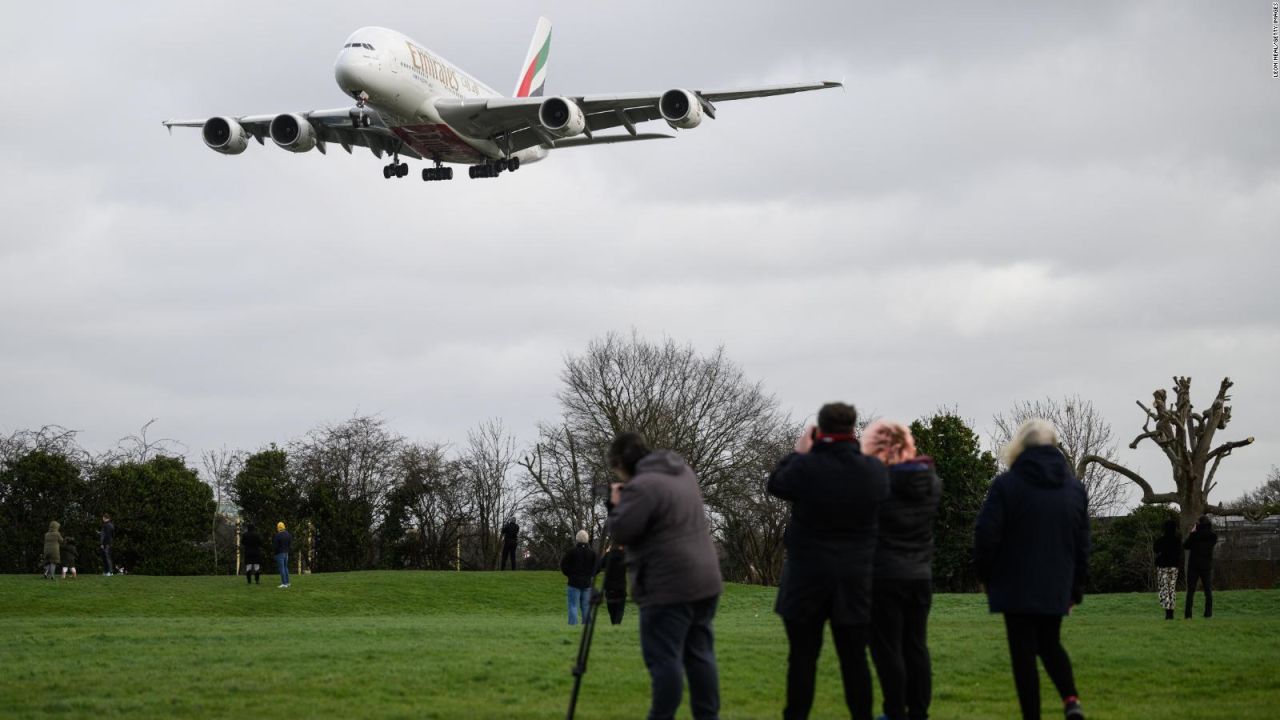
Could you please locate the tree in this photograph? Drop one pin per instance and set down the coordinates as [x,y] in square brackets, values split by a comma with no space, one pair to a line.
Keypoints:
[1082,432]
[266,493]
[749,521]
[1262,501]
[1122,558]
[490,494]
[346,471]
[563,489]
[700,406]
[161,511]
[220,467]
[1186,437]
[35,487]
[966,471]
[426,510]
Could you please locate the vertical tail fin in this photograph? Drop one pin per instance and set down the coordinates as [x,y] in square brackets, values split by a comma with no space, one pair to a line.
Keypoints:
[533,73]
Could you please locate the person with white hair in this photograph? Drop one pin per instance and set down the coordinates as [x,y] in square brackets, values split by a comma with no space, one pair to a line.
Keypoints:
[578,565]
[1031,550]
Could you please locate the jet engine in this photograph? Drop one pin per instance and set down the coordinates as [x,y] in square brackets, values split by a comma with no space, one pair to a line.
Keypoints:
[293,132]
[561,117]
[680,108]
[224,135]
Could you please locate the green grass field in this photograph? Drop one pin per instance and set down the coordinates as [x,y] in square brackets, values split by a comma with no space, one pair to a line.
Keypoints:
[489,645]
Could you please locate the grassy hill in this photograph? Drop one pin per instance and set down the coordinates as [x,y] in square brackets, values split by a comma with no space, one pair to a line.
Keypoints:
[491,645]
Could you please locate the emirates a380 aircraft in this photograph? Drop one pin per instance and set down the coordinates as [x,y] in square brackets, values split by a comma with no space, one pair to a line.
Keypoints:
[410,102]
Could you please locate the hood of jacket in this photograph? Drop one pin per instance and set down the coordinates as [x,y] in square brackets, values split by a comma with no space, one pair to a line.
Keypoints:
[913,479]
[53,526]
[661,461]
[1043,466]
[1204,524]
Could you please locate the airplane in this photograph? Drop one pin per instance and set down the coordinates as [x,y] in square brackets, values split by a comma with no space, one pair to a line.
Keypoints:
[411,102]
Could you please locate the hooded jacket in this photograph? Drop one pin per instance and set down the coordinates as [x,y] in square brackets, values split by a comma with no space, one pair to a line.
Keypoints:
[1200,542]
[661,520]
[835,493]
[905,547]
[69,553]
[1167,547]
[578,565]
[251,541]
[510,534]
[53,544]
[1032,536]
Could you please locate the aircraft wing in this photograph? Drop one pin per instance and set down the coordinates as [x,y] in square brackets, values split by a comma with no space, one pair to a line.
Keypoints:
[494,118]
[332,126]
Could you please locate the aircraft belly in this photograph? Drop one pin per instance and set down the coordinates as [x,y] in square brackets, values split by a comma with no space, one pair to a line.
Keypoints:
[438,141]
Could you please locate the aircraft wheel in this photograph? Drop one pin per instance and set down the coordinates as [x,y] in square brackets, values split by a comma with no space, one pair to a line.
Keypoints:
[448,173]
[386,172]
[514,164]
[402,170]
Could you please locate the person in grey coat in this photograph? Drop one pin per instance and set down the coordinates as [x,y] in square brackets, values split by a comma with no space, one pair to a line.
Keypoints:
[656,511]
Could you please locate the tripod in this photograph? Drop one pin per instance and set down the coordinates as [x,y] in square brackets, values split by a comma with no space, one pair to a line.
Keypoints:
[588,630]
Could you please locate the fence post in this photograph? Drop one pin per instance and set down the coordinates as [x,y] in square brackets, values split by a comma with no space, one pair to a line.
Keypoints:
[237,545]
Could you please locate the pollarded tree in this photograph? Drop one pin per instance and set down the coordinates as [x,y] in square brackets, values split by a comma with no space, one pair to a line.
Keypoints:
[1186,438]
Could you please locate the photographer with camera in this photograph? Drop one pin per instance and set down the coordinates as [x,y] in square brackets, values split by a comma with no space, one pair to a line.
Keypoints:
[835,493]
[656,511]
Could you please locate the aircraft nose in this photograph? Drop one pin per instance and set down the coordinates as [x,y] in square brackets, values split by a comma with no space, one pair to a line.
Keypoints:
[350,73]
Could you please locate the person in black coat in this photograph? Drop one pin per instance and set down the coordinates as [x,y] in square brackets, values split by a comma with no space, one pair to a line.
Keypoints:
[578,564]
[614,565]
[510,538]
[1168,552]
[903,585]
[835,494]
[1200,564]
[106,536]
[251,541]
[1031,550]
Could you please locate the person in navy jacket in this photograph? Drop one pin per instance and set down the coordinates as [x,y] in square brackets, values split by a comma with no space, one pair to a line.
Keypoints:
[1031,550]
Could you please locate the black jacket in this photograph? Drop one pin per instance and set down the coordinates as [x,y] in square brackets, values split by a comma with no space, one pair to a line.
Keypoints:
[1200,542]
[510,532]
[251,541]
[1168,549]
[835,493]
[578,564]
[107,534]
[69,554]
[905,548]
[1032,537]
[614,565]
[661,520]
[281,543]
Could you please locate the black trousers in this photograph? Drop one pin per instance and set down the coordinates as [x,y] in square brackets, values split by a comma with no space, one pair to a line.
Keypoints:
[508,551]
[1029,636]
[616,608]
[805,639]
[677,641]
[1204,575]
[899,620]
[106,558]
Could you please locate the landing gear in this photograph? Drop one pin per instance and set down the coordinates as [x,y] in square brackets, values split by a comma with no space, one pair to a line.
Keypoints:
[493,167]
[437,173]
[395,169]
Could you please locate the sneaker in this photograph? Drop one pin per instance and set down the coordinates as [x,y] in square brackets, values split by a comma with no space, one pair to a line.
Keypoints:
[281,587]
[1073,711]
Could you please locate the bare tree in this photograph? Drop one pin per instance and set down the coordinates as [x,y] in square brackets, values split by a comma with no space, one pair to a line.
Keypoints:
[140,448]
[1262,501]
[702,407]
[749,521]
[1186,438]
[429,505]
[561,483]
[220,468]
[52,439]
[490,491]
[1082,431]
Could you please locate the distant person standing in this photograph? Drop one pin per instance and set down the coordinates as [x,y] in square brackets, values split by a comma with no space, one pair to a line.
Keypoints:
[614,564]
[903,587]
[1200,564]
[280,545]
[578,564]
[105,537]
[69,558]
[1168,552]
[1031,550]
[52,550]
[510,538]
[251,541]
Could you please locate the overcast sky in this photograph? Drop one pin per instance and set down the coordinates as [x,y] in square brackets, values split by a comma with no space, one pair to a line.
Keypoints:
[1007,202]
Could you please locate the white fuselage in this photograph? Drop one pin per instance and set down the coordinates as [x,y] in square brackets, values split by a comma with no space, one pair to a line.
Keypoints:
[401,81]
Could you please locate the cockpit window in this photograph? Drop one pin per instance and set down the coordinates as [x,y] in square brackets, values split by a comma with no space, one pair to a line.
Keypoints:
[366,46]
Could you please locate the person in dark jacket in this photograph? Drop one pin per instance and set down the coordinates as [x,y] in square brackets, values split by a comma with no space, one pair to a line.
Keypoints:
[251,541]
[69,557]
[1168,552]
[510,538]
[280,546]
[105,537]
[614,565]
[835,493]
[578,565]
[1200,564]
[1031,550]
[903,587]
[657,512]
[52,550]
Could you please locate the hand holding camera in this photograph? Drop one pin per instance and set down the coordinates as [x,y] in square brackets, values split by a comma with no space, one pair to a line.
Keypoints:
[804,443]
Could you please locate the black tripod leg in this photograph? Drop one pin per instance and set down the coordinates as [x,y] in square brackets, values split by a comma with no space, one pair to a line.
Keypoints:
[584,648]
